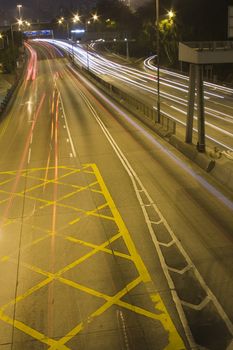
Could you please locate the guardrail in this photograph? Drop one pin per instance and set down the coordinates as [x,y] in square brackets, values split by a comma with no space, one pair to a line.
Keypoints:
[145,112]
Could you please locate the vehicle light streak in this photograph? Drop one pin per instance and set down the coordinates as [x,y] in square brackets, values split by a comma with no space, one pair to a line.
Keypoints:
[204,183]
[127,71]
[134,77]
[149,65]
[32,64]
[22,160]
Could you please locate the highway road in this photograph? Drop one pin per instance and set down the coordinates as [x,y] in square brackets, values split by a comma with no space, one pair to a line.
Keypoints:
[109,238]
[174,92]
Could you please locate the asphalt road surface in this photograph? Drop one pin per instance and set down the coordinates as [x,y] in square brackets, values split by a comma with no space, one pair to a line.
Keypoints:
[109,238]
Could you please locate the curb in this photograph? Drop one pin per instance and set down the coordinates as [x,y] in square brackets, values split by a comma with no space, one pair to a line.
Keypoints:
[190,151]
[223,173]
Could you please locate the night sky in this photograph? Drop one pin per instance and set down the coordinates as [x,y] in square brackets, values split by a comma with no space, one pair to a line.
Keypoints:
[43,8]
[47,9]
[34,9]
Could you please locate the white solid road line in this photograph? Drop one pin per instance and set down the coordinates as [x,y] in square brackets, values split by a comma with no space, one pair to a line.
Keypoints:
[67,127]
[134,178]
[29,155]
[139,188]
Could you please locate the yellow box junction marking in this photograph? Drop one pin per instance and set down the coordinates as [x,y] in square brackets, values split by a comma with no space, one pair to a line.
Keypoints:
[174,340]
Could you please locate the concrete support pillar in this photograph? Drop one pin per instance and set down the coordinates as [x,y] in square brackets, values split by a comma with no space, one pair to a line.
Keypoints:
[200,109]
[191,100]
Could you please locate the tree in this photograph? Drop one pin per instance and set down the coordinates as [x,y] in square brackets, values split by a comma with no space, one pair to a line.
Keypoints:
[10,54]
[114,14]
[7,60]
[145,33]
[169,39]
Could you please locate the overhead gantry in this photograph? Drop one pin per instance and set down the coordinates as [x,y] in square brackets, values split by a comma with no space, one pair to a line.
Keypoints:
[199,54]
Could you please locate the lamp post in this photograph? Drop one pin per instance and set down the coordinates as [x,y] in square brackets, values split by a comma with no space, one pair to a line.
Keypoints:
[19,23]
[19,10]
[170,15]
[77,19]
[61,21]
[158,60]
[127,48]
[94,17]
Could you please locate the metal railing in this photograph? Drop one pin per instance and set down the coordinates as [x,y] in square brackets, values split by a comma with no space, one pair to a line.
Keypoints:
[210,45]
[140,109]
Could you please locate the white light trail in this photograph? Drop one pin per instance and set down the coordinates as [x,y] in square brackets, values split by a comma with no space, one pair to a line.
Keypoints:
[143,80]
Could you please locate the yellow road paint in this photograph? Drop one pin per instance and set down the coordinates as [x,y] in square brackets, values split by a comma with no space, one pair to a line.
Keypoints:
[73,222]
[6,181]
[88,255]
[160,315]
[122,228]
[32,332]
[175,342]
[27,293]
[5,258]
[94,246]
[110,302]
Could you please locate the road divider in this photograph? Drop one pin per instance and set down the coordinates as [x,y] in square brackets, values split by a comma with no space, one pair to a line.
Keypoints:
[146,113]
[166,128]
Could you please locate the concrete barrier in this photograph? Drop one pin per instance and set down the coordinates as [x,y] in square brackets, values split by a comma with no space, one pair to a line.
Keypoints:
[223,172]
[220,169]
[191,152]
[147,114]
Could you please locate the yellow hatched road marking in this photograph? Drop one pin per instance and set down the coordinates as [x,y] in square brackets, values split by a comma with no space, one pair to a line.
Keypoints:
[175,342]
[122,228]
[94,246]
[28,292]
[110,301]
[6,181]
[32,332]
[88,255]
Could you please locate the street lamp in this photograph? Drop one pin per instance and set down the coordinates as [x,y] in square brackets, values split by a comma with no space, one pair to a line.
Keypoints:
[76,18]
[171,14]
[61,21]
[19,23]
[19,9]
[28,24]
[95,18]
[127,48]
